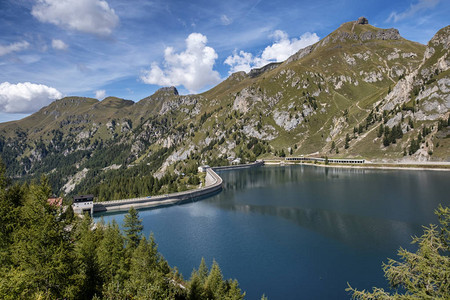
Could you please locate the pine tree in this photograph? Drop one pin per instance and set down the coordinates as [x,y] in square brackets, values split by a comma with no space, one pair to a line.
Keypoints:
[233,290]
[86,259]
[143,267]
[42,251]
[203,271]
[132,226]
[420,275]
[196,290]
[110,252]
[214,286]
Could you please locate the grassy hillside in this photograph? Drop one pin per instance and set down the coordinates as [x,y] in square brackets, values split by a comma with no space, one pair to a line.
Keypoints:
[359,92]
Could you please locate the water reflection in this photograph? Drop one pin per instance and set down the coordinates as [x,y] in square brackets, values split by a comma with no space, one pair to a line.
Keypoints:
[361,208]
[353,230]
[314,228]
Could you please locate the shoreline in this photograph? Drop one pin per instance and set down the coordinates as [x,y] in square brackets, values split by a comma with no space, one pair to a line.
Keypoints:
[215,185]
[379,166]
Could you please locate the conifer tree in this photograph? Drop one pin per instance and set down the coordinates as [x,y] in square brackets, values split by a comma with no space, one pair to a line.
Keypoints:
[196,291]
[420,275]
[110,252]
[132,227]
[89,279]
[214,286]
[202,271]
[42,249]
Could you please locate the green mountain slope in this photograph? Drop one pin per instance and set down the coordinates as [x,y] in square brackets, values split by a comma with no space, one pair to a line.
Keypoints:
[361,91]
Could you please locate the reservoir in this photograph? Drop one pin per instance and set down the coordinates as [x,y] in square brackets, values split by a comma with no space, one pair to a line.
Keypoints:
[300,232]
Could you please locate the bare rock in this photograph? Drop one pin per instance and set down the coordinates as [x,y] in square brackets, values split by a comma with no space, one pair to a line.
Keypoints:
[171,91]
[256,72]
[362,21]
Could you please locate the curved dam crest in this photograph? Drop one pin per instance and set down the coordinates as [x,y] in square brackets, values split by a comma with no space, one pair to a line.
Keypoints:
[213,184]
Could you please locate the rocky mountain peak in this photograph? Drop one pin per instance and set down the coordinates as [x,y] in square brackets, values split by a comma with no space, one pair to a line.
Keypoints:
[170,91]
[362,21]
[442,37]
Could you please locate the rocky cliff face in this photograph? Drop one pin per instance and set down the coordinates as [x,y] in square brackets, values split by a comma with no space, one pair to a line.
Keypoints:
[361,91]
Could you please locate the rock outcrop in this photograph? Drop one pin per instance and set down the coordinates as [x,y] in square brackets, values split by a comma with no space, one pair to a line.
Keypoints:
[362,21]
[256,72]
[170,91]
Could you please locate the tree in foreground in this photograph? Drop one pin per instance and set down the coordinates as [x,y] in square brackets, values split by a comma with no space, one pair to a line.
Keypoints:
[132,227]
[45,254]
[204,285]
[421,275]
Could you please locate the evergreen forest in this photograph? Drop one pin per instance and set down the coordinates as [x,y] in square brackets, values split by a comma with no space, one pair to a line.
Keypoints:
[46,252]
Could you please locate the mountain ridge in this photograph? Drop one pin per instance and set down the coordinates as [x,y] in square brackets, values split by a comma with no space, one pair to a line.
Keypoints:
[361,91]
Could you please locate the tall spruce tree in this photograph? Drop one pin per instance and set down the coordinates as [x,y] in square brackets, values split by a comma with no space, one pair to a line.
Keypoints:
[132,226]
[88,270]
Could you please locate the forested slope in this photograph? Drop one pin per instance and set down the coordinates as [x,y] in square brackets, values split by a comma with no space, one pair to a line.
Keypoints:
[361,91]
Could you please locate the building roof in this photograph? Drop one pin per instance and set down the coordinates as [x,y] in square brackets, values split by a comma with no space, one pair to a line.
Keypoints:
[55,201]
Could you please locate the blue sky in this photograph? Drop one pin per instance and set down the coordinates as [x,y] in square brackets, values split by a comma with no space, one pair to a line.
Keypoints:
[130,48]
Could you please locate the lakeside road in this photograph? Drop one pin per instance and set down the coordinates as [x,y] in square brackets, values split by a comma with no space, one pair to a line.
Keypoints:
[419,166]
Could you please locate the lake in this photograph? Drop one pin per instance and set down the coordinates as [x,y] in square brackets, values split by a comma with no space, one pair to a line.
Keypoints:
[300,232]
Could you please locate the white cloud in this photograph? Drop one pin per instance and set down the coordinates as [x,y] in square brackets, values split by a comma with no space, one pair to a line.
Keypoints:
[91,16]
[59,45]
[192,68]
[226,20]
[279,51]
[100,94]
[25,97]
[14,47]
[412,10]
[243,61]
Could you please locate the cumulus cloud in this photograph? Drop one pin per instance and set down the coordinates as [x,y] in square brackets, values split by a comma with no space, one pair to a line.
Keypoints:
[59,45]
[279,51]
[412,10]
[90,16]
[192,68]
[100,94]
[25,97]
[243,61]
[14,47]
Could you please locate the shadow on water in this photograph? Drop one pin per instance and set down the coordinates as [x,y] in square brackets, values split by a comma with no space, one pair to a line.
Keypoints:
[352,230]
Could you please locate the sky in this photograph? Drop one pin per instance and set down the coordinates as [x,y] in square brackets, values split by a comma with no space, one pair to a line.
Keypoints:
[50,49]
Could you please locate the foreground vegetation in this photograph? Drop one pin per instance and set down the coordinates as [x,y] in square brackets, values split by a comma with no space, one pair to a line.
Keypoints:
[424,274]
[48,253]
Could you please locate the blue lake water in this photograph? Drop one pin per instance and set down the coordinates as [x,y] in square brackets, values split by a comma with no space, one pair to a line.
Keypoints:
[300,232]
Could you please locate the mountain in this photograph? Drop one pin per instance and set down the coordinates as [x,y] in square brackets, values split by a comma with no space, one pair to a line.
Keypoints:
[361,91]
